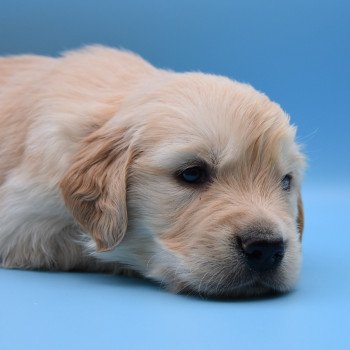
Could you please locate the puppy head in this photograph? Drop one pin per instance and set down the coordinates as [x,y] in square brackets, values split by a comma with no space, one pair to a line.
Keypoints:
[196,184]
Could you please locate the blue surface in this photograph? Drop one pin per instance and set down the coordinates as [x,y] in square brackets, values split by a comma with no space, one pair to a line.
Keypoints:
[298,53]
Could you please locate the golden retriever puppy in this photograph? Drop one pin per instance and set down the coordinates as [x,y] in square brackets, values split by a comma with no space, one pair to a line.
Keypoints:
[107,163]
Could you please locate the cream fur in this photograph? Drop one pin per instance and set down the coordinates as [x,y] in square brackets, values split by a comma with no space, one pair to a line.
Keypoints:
[89,145]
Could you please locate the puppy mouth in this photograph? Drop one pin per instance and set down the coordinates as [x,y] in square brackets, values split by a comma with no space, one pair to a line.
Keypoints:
[245,290]
[255,288]
[252,287]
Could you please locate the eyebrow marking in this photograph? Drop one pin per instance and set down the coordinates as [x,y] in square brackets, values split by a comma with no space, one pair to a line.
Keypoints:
[195,161]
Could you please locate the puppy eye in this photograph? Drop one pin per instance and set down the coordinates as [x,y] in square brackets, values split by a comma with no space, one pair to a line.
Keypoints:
[286,182]
[194,175]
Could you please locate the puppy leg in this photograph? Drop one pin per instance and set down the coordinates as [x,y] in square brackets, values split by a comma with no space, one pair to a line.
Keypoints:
[35,230]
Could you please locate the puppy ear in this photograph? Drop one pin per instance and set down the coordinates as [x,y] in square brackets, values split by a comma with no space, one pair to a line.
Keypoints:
[94,188]
[300,219]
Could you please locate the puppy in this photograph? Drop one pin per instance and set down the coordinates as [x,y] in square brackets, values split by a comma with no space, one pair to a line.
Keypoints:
[107,164]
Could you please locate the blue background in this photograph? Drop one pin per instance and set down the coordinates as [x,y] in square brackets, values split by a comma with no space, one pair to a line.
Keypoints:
[298,52]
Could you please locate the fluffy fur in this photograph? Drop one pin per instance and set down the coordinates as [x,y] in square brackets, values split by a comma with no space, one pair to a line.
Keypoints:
[90,143]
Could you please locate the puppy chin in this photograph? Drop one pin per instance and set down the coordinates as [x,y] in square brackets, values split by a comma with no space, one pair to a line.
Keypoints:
[245,290]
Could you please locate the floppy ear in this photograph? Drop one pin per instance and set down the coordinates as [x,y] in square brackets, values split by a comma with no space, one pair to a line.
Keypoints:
[300,219]
[94,188]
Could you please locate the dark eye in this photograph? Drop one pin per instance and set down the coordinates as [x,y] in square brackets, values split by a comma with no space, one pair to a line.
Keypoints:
[286,182]
[194,175]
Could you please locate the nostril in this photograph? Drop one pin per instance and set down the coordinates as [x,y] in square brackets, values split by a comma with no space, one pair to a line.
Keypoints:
[255,254]
[262,255]
[279,255]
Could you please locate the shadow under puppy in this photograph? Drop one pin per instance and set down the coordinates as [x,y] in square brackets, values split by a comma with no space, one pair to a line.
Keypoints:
[106,162]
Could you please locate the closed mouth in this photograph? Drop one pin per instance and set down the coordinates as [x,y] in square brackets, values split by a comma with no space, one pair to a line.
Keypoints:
[256,287]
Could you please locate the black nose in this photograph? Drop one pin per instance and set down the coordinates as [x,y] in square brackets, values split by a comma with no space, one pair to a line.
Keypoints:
[262,255]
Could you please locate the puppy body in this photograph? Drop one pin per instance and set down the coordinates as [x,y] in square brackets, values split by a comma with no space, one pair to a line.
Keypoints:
[47,106]
[91,145]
